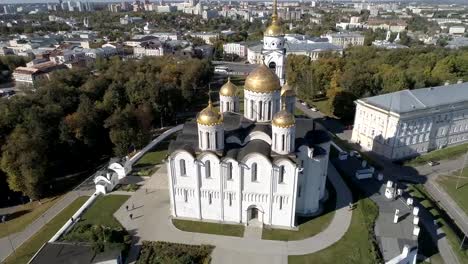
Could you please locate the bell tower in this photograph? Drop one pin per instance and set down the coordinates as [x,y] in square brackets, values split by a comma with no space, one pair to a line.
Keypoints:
[273,51]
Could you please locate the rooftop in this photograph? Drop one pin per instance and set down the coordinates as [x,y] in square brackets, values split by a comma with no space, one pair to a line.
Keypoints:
[419,99]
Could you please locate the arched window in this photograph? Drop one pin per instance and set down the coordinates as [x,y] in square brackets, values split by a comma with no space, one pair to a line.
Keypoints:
[260,110]
[229,171]
[207,169]
[251,109]
[281,174]
[210,198]
[283,142]
[269,110]
[216,140]
[183,171]
[254,172]
[207,137]
[275,138]
[272,65]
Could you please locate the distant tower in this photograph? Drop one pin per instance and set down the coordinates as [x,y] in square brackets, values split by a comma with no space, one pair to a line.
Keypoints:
[273,51]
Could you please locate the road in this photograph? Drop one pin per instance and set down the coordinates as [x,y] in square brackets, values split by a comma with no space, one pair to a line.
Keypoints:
[236,68]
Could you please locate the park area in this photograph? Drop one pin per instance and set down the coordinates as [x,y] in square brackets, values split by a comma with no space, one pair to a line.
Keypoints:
[355,246]
[456,186]
[24,253]
[209,228]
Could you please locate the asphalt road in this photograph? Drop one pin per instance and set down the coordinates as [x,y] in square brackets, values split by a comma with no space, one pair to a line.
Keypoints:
[237,68]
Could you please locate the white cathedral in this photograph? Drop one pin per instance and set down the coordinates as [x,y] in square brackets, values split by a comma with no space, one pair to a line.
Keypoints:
[261,167]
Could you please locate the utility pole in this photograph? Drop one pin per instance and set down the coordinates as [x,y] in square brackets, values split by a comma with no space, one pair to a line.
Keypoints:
[461,171]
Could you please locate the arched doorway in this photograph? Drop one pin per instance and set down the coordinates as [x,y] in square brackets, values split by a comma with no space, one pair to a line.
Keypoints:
[254,216]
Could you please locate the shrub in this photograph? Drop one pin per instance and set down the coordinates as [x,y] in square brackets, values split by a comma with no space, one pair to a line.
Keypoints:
[164,252]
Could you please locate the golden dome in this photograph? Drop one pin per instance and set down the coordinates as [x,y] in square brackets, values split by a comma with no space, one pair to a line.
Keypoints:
[287,90]
[274,30]
[283,119]
[262,80]
[228,89]
[209,116]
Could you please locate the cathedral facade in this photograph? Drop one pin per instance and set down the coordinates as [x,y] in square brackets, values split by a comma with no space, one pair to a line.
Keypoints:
[262,166]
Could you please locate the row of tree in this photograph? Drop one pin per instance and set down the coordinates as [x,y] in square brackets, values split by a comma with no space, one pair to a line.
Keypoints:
[368,71]
[79,116]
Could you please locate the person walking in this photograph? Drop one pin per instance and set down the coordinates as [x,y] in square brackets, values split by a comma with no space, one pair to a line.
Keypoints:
[126,207]
[131,216]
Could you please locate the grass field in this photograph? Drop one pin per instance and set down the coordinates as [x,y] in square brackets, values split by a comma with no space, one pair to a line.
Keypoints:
[25,215]
[209,228]
[145,165]
[442,219]
[354,247]
[441,154]
[102,211]
[460,195]
[28,249]
[307,226]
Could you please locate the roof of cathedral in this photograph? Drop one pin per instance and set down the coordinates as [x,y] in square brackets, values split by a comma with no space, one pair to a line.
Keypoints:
[262,80]
[228,89]
[283,119]
[308,132]
[209,116]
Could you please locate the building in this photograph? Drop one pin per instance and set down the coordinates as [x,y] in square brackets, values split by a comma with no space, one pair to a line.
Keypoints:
[154,49]
[206,36]
[262,167]
[388,24]
[345,40]
[30,75]
[408,123]
[457,30]
[273,50]
[239,49]
[130,20]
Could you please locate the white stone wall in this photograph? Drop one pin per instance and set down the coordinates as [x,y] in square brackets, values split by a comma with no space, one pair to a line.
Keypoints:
[283,139]
[215,195]
[228,104]
[268,102]
[210,137]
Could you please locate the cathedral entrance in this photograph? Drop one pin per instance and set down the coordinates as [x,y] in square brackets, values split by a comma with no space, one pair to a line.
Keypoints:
[254,216]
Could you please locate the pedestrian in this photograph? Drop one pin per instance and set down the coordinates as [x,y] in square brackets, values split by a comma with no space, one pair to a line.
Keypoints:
[350,206]
[131,216]
[126,207]
[73,220]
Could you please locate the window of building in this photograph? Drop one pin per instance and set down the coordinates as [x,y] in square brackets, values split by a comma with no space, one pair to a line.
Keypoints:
[216,140]
[254,172]
[210,198]
[283,142]
[251,109]
[281,203]
[207,137]
[185,196]
[229,171]
[299,189]
[281,174]
[183,171]
[274,141]
[230,199]
[208,169]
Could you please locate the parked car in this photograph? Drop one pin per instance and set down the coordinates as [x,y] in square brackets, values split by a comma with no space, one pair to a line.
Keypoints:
[304,103]
[355,154]
[313,109]
[432,163]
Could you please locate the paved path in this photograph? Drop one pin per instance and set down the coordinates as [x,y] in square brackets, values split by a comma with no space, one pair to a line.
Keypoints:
[17,239]
[153,223]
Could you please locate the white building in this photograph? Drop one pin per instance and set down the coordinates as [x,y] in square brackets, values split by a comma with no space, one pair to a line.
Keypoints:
[412,122]
[262,167]
[239,49]
[457,30]
[345,40]
[206,36]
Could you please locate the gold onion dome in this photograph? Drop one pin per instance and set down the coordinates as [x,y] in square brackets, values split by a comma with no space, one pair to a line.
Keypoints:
[228,89]
[283,119]
[262,80]
[287,90]
[275,29]
[209,116]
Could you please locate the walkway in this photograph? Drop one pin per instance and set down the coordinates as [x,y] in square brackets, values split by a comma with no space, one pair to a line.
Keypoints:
[153,223]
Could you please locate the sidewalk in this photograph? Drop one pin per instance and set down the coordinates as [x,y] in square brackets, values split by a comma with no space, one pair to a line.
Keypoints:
[17,239]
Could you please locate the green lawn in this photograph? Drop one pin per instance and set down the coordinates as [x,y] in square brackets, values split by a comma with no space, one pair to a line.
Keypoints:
[307,226]
[354,247]
[460,195]
[441,154]
[102,211]
[165,252]
[418,192]
[25,215]
[145,165]
[28,249]
[209,228]
[322,106]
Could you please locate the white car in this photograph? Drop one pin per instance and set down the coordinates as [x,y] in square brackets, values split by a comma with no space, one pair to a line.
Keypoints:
[304,103]
[313,109]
